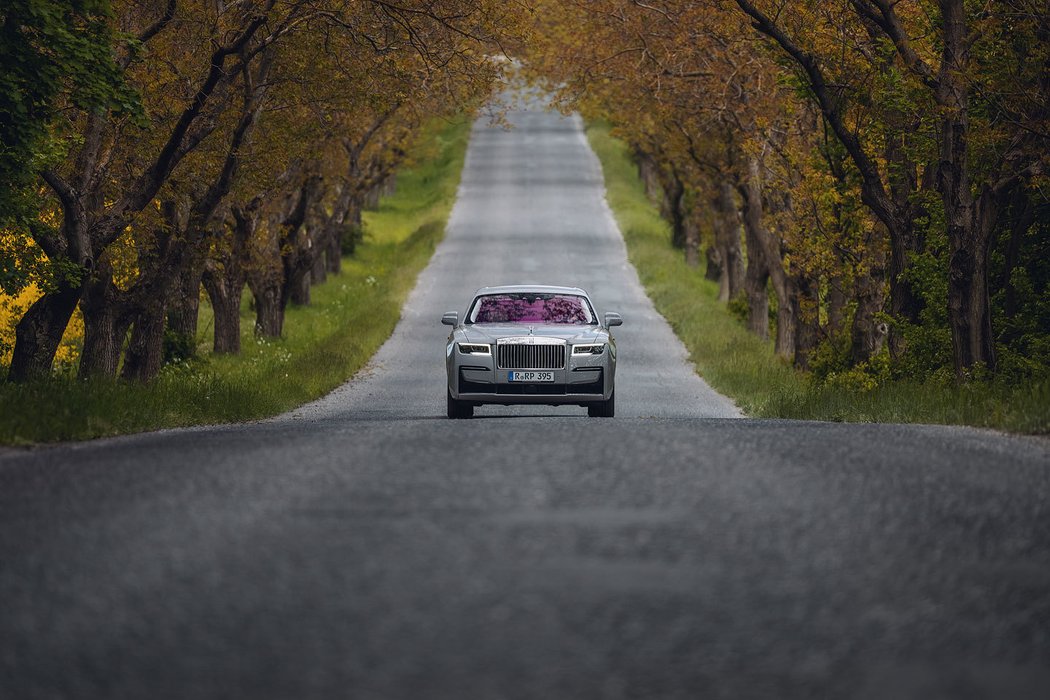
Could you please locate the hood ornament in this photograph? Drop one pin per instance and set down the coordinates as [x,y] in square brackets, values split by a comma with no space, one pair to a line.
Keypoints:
[531,330]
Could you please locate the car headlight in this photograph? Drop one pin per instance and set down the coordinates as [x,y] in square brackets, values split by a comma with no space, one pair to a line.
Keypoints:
[475,349]
[592,349]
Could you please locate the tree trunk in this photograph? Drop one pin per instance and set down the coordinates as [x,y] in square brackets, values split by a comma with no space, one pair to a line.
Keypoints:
[228,322]
[224,293]
[319,269]
[648,173]
[298,286]
[344,212]
[713,270]
[905,303]
[756,276]
[806,303]
[297,259]
[104,335]
[1023,218]
[265,283]
[269,316]
[836,305]
[865,333]
[105,325]
[224,278]
[764,246]
[145,353]
[969,227]
[675,191]
[351,232]
[39,333]
[906,240]
[727,241]
[756,279]
[371,197]
[161,269]
[784,346]
[969,306]
[266,288]
[296,245]
[783,285]
[333,254]
[184,309]
[692,242]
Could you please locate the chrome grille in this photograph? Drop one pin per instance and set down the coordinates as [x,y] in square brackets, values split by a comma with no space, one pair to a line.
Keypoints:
[515,356]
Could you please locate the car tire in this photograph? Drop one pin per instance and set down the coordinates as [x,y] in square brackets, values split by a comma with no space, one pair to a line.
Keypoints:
[459,409]
[603,409]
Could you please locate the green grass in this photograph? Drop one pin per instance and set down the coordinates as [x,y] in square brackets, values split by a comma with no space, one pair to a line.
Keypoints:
[350,316]
[743,367]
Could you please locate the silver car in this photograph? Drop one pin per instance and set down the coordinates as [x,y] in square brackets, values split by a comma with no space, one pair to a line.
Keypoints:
[531,345]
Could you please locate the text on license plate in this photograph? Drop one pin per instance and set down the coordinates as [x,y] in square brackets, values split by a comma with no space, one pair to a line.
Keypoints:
[530,376]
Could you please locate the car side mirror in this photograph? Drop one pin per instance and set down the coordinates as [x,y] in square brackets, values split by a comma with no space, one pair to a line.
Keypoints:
[450,318]
[613,319]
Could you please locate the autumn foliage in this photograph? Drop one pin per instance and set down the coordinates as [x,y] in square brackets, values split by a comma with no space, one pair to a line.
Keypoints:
[875,171]
[164,146]
[867,180]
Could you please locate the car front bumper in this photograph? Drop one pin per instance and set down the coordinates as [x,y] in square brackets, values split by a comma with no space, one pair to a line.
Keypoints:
[579,385]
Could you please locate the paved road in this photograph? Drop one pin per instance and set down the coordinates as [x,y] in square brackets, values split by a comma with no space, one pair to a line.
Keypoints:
[366,547]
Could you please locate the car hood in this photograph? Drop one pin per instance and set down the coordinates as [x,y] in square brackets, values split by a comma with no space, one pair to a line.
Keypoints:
[490,332]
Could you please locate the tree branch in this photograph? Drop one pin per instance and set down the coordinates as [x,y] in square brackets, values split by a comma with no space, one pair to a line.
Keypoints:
[156,27]
[887,20]
[62,189]
[873,192]
[150,32]
[150,181]
[254,93]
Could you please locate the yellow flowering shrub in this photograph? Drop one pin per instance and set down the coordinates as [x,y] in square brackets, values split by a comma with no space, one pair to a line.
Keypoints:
[12,308]
[30,259]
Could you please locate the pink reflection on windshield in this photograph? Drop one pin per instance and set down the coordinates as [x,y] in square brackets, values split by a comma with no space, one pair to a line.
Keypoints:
[531,308]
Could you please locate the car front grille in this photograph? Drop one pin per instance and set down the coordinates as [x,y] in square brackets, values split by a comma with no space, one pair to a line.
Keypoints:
[594,387]
[521,356]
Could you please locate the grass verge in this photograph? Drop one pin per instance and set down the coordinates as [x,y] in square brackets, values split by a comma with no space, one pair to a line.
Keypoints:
[350,316]
[743,367]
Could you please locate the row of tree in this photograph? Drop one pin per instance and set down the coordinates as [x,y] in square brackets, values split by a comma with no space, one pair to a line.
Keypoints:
[151,148]
[880,166]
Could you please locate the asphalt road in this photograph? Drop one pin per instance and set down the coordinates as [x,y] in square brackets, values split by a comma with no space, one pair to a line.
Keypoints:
[366,547]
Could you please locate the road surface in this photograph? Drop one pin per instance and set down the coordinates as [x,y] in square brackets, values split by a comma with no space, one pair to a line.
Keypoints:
[366,547]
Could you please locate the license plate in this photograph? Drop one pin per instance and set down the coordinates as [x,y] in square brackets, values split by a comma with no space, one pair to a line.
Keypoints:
[530,376]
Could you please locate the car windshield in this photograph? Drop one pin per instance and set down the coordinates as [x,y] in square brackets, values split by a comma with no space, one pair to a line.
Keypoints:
[531,307]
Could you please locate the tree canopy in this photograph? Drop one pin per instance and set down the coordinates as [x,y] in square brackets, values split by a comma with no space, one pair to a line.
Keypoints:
[867,180]
[152,147]
[887,162]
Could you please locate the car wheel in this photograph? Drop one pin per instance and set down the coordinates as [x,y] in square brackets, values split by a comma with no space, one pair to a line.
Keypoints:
[603,409]
[459,409]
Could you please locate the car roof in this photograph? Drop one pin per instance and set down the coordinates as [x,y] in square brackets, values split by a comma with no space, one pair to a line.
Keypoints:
[541,288]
